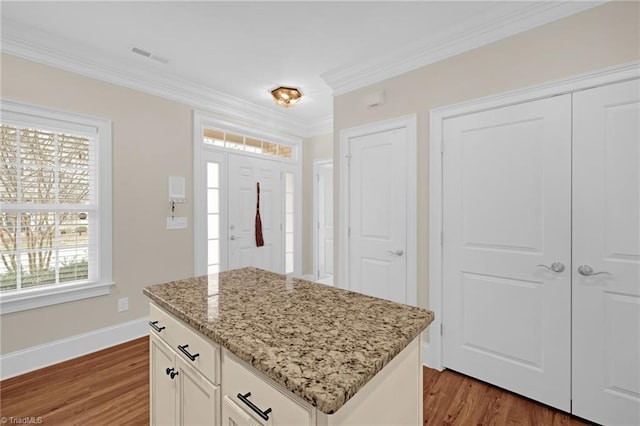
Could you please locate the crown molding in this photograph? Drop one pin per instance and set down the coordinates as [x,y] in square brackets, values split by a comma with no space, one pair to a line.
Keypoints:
[38,46]
[481,30]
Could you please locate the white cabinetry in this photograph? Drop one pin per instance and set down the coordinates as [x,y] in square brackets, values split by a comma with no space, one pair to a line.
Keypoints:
[183,374]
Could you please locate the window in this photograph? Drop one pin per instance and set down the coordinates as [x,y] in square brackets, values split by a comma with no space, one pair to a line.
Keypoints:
[213,218]
[55,215]
[227,140]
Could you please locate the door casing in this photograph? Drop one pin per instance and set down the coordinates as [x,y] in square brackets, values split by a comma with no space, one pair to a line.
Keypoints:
[408,122]
[433,349]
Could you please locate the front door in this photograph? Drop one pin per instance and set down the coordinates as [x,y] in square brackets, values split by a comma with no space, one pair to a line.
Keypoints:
[507,248]
[606,250]
[378,214]
[244,173]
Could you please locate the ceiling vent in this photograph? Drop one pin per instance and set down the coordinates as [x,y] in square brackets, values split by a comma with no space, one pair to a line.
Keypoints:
[149,55]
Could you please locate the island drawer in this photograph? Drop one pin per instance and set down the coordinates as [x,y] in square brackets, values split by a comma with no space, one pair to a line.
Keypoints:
[197,352]
[244,387]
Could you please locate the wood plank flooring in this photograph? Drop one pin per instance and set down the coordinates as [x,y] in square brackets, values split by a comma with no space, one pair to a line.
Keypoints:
[111,387]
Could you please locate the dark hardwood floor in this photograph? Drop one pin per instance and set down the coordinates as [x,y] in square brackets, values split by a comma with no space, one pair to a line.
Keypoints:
[111,387]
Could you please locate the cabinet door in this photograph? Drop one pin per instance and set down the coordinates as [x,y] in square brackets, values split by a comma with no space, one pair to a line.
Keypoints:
[163,387]
[606,254]
[198,398]
[232,415]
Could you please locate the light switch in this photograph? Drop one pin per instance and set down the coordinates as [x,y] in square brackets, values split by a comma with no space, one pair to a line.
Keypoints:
[176,222]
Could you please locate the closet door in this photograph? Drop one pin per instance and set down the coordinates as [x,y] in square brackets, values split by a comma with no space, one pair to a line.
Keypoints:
[507,248]
[606,254]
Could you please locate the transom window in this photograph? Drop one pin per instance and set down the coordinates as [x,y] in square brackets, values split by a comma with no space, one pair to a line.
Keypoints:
[237,142]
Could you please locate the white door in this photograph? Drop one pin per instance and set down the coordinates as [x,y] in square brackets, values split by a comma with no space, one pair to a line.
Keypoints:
[606,248]
[506,180]
[243,175]
[378,215]
[324,214]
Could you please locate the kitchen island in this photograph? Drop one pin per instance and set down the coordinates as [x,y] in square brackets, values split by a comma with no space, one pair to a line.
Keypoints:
[250,346]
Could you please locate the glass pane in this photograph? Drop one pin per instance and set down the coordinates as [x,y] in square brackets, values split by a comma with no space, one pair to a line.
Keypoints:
[74,229]
[74,186]
[213,226]
[8,257]
[288,203]
[8,143]
[213,134]
[212,175]
[288,267]
[74,264]
[284,151]
[37,185]
[37,147]
[234,141]
[289,222]
[38,268]
[8,183]
[213,252]
[213,269]
[289,242]
[269,148]
[73,151]
[253,145]
[38,231]
[214,142]
[289,182]
[213,201]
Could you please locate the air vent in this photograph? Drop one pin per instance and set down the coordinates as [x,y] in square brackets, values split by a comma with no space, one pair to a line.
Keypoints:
[149,55]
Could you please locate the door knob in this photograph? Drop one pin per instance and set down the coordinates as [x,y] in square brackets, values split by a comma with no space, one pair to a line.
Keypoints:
[587,271]
[398,252]
[555,267]
[234,237]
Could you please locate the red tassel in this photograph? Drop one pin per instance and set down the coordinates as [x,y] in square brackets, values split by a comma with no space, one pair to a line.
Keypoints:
[259,238]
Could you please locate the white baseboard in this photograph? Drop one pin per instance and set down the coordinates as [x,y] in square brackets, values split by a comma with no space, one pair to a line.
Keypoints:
[35,357]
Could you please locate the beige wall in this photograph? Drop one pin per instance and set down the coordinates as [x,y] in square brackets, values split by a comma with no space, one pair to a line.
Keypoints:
[151,140]
[315,148]
[600,37]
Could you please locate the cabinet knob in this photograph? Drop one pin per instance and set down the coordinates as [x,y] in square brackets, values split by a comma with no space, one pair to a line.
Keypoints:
[171,372]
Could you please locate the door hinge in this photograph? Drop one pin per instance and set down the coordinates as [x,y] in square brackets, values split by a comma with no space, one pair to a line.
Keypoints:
[441,238]
[317,178]
[348,157]
[318,225]
[349,232]
[281,227]
[441,329]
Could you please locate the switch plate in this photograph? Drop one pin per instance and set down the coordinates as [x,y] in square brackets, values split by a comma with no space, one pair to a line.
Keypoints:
[123,304]
[176,222]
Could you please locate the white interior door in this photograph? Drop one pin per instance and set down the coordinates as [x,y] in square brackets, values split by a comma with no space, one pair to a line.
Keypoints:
[606,242]
[506,180]
[243,174]
[378,215]
[324,213]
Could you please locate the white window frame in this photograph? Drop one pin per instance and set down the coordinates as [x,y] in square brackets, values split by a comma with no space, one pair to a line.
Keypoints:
[35,297]
[205,152]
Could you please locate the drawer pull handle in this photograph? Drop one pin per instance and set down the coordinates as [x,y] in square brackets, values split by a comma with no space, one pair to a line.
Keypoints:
[184,350]
[245,398]
[153,325]
[171,372]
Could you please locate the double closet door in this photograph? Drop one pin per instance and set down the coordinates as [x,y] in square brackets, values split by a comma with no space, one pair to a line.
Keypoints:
[541,250]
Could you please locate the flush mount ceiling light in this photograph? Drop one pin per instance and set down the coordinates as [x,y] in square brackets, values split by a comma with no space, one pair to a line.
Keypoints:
[286,96]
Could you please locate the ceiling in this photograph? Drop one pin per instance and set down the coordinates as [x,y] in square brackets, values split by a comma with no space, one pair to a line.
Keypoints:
[226,56]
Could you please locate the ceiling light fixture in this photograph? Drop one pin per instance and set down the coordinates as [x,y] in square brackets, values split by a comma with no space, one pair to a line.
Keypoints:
[286,96]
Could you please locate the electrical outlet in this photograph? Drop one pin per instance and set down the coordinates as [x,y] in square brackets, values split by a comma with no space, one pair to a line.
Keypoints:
[123,304]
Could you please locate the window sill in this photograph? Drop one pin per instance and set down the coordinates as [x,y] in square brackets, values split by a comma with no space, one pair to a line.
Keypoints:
[50,295]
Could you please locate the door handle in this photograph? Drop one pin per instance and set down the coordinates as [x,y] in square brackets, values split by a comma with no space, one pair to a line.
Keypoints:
[398,252]
[234,237]
[555,267]
[587,271]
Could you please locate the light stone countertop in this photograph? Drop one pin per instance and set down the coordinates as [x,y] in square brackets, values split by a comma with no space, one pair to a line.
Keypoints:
[322,343]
